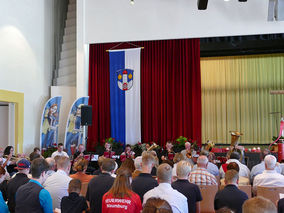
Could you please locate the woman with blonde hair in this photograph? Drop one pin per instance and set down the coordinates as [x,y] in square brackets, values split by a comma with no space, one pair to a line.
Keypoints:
[80,167]
[120,198]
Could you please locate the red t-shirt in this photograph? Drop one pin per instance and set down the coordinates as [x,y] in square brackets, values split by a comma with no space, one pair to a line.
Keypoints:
[130,204]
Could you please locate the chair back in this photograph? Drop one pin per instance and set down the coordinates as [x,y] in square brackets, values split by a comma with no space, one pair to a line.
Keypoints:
[208,194]
[84,189]
[270,193]
[246,189]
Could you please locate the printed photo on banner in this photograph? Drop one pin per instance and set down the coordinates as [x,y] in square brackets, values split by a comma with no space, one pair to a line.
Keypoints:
[74,130]
[49,123]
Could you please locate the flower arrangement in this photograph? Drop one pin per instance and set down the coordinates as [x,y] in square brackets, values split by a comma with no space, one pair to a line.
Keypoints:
[117,146]
[47,152]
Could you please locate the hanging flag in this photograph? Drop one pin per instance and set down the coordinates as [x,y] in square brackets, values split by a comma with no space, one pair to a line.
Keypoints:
[49,123]
[125,107]
[74,130]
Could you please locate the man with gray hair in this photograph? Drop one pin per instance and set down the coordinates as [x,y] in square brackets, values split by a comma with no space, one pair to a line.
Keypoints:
[138,166]
[177,201]
[200,175]
[51,166]
[269,177]
[189,190]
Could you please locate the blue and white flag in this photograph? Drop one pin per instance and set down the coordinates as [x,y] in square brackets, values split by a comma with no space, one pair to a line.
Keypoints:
[125,95]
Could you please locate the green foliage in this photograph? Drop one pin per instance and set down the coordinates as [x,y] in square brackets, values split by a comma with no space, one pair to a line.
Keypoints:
[48,152]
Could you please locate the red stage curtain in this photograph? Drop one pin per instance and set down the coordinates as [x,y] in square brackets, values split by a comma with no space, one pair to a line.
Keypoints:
[170,90]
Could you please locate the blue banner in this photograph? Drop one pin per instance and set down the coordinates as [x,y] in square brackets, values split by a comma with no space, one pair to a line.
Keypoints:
[74,130]
[49,123]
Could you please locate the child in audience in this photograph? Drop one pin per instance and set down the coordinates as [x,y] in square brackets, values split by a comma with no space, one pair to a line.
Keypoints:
[74,203]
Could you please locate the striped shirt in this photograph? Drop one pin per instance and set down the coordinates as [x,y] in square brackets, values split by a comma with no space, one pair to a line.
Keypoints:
[200,176]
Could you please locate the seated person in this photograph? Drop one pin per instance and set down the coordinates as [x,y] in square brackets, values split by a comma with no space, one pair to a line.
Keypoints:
[200,175]
[3,205]
[269,176]
[80,153]
[121,196]
[187,153]
[74,203]
[138,166]
[235,157]
[100,162]
[108,153]
[20,179]
[230,196]
[259,205]
[259,168]
[189,190]
[242,180]
[168,153]
[9,162]
[128,153]
[80,166]
[211,167]
[164,190]
[154,205]
[59,152]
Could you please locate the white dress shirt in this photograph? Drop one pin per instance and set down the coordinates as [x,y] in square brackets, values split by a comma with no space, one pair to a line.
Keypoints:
[177,201]
[244,170]
[269,178]
[56,153]
[259,168]
[57,185]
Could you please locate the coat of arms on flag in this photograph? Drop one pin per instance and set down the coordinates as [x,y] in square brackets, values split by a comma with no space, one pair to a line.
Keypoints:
[125,79]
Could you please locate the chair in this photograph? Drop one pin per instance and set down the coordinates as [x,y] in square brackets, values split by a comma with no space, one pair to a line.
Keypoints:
[246,189]
[84,189]
[208,194]
[270,193]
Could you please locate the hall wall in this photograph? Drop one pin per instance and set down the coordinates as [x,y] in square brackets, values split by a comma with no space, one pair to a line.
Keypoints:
[26,58]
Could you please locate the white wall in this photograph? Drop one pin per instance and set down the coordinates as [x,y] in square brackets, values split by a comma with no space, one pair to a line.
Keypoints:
[118,20]
[4,125]
[26,57]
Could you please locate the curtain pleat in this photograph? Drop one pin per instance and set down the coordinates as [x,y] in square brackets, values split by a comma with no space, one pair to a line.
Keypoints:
[235,96]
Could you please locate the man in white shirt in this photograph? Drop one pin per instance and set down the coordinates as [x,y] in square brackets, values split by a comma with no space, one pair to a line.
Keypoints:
[177,201]
[57,184]
[59,152]
[259,168]
[235,157]
[269,177]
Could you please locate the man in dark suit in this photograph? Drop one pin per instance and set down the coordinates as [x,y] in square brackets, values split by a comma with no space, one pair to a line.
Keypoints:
[144,181]
[230,196]
[99,185]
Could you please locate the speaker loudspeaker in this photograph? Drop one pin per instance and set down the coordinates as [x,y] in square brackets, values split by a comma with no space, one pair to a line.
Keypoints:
[202,4]
[86,115]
